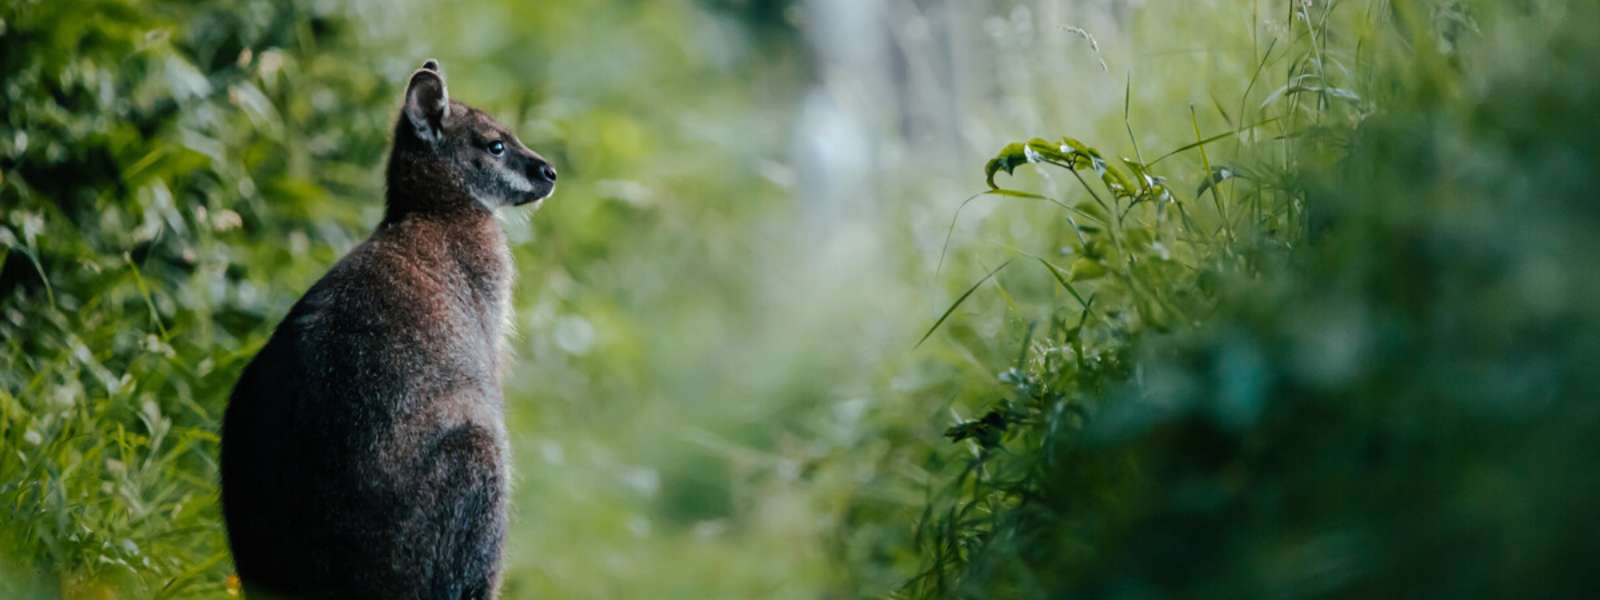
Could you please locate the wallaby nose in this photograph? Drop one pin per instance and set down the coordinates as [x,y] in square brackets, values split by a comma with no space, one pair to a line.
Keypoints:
[548,172]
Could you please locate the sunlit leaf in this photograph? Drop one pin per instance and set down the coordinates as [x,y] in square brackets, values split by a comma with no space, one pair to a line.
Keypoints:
[1007,160]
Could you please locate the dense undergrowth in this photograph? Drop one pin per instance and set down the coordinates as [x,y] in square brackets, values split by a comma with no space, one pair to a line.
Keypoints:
[1356,361]
[140,147]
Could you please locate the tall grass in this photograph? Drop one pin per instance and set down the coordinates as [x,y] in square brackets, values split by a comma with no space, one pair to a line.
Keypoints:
[1256,384]
[156,161]
[1141,254]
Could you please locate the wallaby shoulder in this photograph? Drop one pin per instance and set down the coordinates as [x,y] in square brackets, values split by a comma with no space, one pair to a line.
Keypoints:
[364,450]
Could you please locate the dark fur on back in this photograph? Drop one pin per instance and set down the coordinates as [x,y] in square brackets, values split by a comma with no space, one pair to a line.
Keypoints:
[364,448]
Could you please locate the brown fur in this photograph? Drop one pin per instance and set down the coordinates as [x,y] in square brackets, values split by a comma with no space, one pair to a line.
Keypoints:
[364,449]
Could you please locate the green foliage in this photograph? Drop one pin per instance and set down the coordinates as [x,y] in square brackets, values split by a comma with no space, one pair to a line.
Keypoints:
[1312,316]
[157,158]
[1379,385]
[1013,507]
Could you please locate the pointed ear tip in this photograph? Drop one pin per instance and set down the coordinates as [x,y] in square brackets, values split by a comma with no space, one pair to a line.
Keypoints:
[431,65]
[425,75]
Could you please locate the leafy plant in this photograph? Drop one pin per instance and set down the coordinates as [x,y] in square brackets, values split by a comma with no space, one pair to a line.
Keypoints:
[157,158]
[1306,427]
[1033,499]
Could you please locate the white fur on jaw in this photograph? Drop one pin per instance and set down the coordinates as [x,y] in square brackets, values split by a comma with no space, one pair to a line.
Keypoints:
[492,205]
[514,179]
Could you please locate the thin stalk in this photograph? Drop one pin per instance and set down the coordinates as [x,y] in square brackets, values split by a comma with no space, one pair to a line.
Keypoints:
[1205,160]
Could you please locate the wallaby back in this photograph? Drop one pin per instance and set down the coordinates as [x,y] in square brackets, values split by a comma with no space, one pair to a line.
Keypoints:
[364,448]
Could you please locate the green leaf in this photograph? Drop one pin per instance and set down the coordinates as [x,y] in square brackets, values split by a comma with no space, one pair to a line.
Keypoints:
[1036,150]
[1087,269]
[1219,174]
[1050,151]
[1061,277]
[1008,159]
[1139,171]
[1079,147]
[1021,194]
[1115,180]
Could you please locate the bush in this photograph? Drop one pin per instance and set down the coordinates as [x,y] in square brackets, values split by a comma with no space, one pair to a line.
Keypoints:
[1386,392]
[143,263]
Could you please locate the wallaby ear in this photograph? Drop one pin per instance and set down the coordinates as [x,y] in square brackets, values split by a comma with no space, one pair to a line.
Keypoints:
[427,102]
[431,65]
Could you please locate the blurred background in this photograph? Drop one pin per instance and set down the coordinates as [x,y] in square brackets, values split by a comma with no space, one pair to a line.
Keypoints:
[1304,306]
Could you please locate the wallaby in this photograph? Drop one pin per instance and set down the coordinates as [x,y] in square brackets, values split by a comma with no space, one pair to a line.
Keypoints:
[364,448]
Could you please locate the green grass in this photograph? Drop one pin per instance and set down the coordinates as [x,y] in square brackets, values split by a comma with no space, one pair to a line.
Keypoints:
[1288,412]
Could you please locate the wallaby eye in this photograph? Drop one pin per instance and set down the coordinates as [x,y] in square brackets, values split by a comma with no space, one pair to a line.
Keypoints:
[497,148]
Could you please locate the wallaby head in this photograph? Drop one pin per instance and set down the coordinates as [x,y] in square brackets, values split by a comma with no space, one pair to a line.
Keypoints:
[448,155]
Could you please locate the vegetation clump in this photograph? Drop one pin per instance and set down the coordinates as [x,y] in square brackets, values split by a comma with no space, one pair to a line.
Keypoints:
[1380,385]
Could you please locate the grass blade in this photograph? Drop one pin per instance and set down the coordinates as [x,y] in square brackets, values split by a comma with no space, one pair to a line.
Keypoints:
[994,192]
[957,304]
[1056,272]
[1206,161]
[49,291]
[145,291]
[1202,143]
